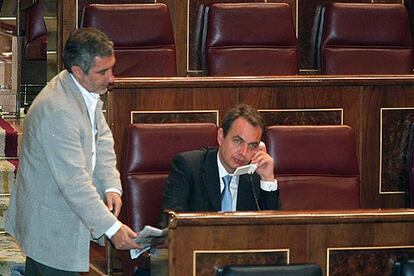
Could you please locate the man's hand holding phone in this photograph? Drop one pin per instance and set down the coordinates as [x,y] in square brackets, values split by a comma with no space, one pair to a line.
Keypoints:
[264,162]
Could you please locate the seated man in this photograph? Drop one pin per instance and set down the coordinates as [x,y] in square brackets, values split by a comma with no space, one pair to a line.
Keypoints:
[198,179]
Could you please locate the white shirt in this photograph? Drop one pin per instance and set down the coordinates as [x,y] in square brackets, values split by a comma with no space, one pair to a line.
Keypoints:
[267,186]
[91,101]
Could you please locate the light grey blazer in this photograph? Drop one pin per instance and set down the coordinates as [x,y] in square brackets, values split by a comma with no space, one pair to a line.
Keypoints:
[57,204]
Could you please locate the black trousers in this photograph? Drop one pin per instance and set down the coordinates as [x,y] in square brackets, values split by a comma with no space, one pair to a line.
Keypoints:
[34,268]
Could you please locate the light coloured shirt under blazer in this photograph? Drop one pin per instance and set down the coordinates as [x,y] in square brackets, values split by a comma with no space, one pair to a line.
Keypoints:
[57,204]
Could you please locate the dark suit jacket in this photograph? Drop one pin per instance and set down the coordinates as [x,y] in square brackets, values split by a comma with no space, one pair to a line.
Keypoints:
[194,185]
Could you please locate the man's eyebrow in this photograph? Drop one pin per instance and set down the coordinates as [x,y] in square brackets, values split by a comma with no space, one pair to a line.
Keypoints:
[103,70]
[238,137]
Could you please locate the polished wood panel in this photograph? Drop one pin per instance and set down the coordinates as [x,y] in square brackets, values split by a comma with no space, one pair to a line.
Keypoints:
[168,117]
[374,260]
[332,116]
[358,100]
[207,261]
[307,236]
[396,132]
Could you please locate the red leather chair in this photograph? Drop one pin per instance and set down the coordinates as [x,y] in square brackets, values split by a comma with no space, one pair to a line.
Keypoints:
[33,62]
[36,32]
[316,166]
[250,39]
[142,35]
[148,151]
[366,39]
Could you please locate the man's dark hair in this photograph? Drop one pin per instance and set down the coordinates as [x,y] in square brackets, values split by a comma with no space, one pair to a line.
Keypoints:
[83,46]
[244,111]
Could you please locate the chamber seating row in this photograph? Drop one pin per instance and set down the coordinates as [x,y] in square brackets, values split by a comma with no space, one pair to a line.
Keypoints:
[316,167]
[254,39]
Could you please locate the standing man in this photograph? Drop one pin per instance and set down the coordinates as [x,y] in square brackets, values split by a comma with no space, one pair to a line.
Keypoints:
[67,187]
[203,180]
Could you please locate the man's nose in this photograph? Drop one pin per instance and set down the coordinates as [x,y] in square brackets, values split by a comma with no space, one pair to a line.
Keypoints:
[244,149]
[110,76]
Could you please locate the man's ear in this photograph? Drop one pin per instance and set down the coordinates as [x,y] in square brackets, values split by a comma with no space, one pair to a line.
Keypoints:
[220,136]
[77,71]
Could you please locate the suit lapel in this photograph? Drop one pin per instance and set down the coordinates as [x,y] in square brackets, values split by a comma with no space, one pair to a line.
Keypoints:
[210,178]
[76,93]
[74,90]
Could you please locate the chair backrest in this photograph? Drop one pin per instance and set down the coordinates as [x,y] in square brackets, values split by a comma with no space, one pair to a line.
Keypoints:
[270,270]
[142,35]
[250,39]
[316,166]
[36,32]
[366,39]
[146,162]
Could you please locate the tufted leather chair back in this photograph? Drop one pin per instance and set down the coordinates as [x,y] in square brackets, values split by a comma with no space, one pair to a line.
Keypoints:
[250,39]
[366,39]
[316,166]
[146,162]
[36,32]
[142,35]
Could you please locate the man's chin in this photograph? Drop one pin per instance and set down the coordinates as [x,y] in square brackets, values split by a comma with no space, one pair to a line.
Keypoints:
[102,92]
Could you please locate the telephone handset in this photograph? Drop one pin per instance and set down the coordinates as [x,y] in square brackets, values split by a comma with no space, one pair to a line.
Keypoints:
[249,168]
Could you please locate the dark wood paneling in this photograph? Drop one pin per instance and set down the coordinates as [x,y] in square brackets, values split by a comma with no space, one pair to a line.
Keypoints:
[302,117]
[366,261]
[308,236]
[168,117]
[375,98]
[360,98]
[207,262]
[395,138]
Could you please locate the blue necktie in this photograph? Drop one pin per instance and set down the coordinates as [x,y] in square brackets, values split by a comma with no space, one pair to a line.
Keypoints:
[226,200]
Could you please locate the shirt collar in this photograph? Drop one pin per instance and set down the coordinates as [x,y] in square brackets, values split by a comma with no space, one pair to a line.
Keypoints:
[222,171]
[91,99]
